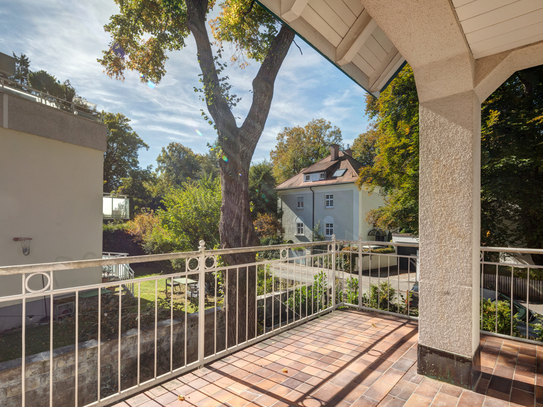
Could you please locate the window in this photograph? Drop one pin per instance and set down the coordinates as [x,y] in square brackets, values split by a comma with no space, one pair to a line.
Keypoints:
[307,178]
[329,199]
[339,173]
[300,203]
[299,228]
[328,229]
[322,175]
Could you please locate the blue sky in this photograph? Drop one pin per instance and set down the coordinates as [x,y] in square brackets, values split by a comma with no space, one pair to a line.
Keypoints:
[65,38]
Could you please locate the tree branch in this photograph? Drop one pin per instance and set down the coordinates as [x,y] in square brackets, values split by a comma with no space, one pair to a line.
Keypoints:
[263,90]
[216,103]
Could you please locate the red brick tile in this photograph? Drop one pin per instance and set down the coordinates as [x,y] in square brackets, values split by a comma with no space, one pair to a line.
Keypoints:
[444,400]
[417,400]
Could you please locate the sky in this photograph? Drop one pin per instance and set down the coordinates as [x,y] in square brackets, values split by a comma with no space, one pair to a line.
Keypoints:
[65,38]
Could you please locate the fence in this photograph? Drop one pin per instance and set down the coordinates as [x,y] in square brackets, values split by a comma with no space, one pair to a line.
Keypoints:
[99,343]
[104,343]
[511,290]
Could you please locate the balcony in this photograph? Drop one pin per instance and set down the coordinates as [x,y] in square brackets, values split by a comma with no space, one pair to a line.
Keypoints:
[77,107]
[334,323]
[116,207]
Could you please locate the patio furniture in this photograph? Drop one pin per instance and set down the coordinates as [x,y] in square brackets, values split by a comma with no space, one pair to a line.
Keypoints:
[177,282]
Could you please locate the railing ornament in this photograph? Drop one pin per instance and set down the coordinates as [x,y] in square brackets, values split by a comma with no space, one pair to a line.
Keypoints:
[45,287]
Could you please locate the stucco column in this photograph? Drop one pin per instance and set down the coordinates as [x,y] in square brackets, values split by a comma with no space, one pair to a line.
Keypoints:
[450,156]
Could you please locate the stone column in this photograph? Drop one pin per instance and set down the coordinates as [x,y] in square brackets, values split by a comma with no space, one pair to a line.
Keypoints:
[449,216]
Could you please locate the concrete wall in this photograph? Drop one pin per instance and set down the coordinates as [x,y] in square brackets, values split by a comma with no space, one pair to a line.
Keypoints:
[37,366]
[349,212]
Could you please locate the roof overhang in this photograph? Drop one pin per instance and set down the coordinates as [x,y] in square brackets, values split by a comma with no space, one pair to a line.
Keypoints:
[346,33]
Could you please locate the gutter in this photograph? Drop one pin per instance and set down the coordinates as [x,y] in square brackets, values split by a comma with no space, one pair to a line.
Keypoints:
[312,214]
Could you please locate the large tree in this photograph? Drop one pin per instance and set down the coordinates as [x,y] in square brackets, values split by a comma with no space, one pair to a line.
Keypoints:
[144,31]
[395,166]
[299,147]
[177,164]
[121,156]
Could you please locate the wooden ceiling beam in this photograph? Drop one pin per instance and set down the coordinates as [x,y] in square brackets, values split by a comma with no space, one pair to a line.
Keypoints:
[357,35]
[292,9]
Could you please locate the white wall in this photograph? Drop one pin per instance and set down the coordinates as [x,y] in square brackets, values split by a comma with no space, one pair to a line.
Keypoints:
[50,191]
[349,212]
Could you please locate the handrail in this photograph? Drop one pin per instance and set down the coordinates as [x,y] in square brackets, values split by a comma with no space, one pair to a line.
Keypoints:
[40,97]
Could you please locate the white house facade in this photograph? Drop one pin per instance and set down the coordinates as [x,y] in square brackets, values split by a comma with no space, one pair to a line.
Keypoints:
[51,161]
[325,195]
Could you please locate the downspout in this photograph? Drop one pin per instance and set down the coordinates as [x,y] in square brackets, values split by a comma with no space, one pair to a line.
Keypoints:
[313,216]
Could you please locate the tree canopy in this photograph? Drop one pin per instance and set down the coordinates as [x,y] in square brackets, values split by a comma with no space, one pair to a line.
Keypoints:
[395,169]
[121,156]
[299,147]
[177,164]
[511,159]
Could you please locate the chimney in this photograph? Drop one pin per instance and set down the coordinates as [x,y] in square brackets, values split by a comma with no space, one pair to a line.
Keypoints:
[348,152]
[334,152]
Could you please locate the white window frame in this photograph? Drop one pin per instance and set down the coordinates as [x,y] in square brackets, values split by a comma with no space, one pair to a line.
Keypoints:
[299,228]
[329,200]
[322,176]
[329,229]
[298,206]
[307,178]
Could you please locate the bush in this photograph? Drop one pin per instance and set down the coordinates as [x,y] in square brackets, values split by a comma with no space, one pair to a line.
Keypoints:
[503,318]
[268,226]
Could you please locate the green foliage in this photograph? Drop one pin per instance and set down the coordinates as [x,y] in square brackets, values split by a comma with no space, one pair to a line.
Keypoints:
[511,159]
[395,169]
[503,318]
[351,290]
[383,296]
[177,164]
[121,156]
[364,147]
[45,82]
[268,226]
[22,69]
[299,147]
[265,280]
[512,162]
[191,214]
[310,297]
[262,189]
[246,25]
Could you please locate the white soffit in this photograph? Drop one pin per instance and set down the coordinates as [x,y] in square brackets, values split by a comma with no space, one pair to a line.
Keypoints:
[494,26]
[345,34]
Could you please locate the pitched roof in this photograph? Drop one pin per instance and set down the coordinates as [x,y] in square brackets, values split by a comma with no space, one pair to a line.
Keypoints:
[344,161]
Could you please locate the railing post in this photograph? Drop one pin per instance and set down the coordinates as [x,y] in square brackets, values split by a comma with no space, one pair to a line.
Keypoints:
[334,271]
[201,301]
[359,270]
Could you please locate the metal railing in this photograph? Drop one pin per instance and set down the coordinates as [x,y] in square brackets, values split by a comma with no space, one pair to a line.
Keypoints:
[38,96]
[107,344]
[512,292]
[104,344]
[116,272]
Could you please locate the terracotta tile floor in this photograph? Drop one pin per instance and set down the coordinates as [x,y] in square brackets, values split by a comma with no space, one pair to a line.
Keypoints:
[350,358]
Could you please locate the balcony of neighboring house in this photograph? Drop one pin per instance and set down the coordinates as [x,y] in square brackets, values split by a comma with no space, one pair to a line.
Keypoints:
[116,206]
[330,324]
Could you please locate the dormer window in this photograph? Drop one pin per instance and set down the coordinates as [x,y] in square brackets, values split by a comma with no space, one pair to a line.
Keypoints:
[317,176]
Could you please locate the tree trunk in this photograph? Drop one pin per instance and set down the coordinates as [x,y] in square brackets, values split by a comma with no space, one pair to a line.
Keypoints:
[238,145]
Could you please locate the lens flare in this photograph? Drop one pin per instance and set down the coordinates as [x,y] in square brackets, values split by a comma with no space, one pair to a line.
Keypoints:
[151,84]
[198,132]
[225,158]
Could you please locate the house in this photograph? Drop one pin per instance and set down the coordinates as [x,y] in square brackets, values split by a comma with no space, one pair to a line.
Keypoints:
[51,161]
[325,194]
